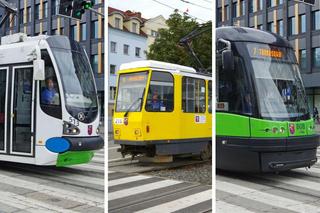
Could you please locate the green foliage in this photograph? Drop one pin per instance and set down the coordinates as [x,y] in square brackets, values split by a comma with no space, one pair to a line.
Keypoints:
[166,46]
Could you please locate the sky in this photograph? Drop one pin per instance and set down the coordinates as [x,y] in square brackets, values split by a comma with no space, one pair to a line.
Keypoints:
[150,8]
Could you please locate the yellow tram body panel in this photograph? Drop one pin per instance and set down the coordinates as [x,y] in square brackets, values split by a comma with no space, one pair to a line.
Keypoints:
[144,126]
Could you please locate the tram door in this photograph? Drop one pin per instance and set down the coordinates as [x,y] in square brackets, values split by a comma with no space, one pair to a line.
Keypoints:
[3,108]
[21,119]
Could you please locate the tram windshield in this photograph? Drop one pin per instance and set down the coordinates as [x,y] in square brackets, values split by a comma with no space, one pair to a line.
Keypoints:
[278,83]
[78,83]
[131,89]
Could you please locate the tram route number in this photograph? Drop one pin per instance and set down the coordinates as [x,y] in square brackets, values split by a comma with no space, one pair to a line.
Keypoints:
[73,121]
[118,121]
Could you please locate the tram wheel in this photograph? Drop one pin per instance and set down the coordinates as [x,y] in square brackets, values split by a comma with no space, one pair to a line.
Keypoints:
[206,154]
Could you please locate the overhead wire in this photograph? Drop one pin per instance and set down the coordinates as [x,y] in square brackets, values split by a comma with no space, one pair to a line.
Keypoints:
[166,5]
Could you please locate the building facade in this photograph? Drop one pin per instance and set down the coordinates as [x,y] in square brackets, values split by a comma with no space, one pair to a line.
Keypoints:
[152,26]
[41,17]
[127,43]
[297,22]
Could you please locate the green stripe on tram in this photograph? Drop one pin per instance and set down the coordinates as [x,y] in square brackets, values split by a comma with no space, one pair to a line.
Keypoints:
[74,157]
[242,126]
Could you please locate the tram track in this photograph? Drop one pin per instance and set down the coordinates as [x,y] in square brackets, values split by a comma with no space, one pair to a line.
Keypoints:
[134,166]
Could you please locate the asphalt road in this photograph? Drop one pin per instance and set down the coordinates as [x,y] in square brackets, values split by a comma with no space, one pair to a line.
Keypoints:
[27,188]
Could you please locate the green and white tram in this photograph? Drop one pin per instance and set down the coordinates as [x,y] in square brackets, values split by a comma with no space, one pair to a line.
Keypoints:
[263,120]
[49,112]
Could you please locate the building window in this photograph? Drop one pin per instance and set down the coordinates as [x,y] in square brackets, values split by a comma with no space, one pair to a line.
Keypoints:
[117,23]
[154,33]
[316,20]
[235,10]
[83,31]
[29,14]
[138,50]
[226,12]
[134,27]
[193,95]
[302,21]
[251,3]
[303,60]
[54,7]
[316,57]
[45,10]
[113,69]
[37,11]
[94,29]
[270,27]
[113,47]
[280,27]
[260,27]
[220,14]
[242,8]
[21,16]
[73,32]
[292,26]
[54,32]
[112,93]
[126,49]
[260,4]
[280,2]
[94,63]
[271,3]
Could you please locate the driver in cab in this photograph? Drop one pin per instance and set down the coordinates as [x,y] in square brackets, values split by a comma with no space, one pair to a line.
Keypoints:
[48,93]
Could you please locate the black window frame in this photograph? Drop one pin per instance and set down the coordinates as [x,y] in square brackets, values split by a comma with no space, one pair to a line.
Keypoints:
[205,95]
[173,95]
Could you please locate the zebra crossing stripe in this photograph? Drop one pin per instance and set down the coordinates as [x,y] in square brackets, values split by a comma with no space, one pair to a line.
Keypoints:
[295,182]
[140,189]
[263,197]
[16,200]
[223,207]
[127,180]
[89,166]
[181,203]
[52,191]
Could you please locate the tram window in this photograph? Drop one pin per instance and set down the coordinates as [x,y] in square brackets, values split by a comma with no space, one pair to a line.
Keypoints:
[210,96]
[233,89]
[160,94]
[49,91]
[193,95]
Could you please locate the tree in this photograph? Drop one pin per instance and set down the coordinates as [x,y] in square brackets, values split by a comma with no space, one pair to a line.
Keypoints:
[166,46]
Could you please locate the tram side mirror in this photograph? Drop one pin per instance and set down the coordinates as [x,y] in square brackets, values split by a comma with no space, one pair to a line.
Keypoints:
[227,60]
[38,70]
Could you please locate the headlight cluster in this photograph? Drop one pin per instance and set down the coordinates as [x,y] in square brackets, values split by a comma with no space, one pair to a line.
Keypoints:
[70,129]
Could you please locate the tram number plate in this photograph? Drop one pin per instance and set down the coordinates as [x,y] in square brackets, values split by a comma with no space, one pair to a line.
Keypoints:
[118,121]
[73,121]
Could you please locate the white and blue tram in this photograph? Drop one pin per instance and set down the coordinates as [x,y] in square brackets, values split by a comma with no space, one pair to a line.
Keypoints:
[49,111]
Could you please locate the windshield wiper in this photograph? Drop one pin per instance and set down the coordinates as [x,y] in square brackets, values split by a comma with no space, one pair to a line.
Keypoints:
[128,110]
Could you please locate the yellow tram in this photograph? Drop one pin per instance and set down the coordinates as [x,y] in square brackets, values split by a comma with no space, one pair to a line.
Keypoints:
[163,109]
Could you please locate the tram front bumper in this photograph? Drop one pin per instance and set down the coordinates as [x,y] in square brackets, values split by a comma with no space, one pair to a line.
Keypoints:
[85,143]
[266,154]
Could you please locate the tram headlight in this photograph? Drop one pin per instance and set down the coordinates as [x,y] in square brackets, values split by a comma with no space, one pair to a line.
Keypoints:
[282,129]
[70,129]
[275,129]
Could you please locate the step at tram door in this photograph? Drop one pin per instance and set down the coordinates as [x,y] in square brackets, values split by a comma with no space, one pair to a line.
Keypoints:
[16,110]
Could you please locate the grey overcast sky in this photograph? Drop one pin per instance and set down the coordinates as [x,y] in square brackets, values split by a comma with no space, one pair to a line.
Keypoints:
[151,8]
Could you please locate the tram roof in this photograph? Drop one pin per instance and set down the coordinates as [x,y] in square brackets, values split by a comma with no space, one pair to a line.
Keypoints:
[157,64]
[245,34]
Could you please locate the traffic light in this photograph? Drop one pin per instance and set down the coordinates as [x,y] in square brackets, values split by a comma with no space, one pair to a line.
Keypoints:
[79,7]
[65,7]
